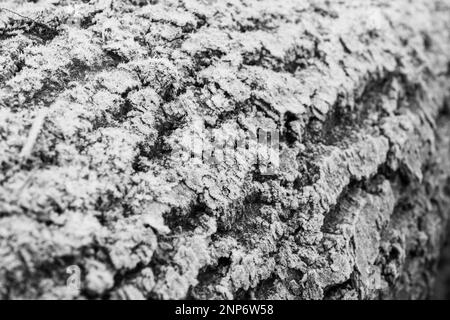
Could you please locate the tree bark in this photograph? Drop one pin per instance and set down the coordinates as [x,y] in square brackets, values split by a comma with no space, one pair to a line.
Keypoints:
[108,108]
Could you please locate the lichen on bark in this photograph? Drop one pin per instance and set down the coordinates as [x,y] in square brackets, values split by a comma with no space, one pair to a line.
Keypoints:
[359,91]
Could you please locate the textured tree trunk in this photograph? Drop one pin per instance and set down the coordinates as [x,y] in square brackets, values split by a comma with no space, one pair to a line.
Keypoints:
[108,111]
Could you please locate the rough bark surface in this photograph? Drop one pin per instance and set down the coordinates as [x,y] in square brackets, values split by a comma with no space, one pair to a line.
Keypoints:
[96,97]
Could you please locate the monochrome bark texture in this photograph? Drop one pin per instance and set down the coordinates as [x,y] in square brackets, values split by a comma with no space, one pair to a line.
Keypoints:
[103,102]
